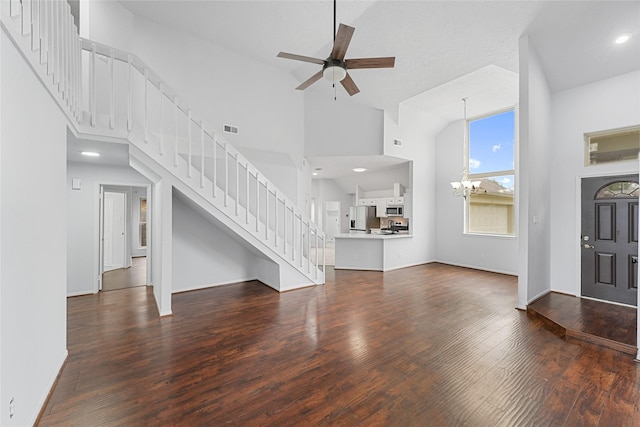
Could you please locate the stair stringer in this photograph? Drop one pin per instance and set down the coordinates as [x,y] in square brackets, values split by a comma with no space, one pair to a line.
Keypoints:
[273,270]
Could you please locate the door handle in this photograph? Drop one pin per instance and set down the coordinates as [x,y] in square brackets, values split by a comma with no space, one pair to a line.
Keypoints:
[634,260]
[588,246]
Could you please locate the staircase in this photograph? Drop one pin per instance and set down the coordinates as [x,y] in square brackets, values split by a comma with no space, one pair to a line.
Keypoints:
[112,94]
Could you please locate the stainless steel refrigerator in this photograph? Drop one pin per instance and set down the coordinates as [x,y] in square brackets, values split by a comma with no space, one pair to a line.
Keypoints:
[363,218]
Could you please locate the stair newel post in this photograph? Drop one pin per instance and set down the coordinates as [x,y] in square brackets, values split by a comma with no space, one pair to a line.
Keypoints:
[189,135]
[175,131]
[237,183]
[301,240]
[317,250]
[201,154]
[265,208]
[112,115]
[308,246]
[226,175]
[275,218]
[246,194]
[93,84]
[129,91]
[257,202]
[146,105]
[161,147]
[214,155]
[293,235]
[284,226]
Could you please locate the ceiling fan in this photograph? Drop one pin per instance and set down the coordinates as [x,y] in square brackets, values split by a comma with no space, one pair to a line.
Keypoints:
[335,67]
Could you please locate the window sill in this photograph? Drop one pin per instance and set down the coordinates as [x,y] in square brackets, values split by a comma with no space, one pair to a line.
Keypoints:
[491,236]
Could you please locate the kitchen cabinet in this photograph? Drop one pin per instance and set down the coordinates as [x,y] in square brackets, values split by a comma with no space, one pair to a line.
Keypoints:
[367,202]
[395,201]
[381,208]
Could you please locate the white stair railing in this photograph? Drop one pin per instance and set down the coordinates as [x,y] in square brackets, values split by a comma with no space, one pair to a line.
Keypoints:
[106,91]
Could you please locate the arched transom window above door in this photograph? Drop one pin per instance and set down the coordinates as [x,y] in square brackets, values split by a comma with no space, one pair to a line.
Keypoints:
[619,190]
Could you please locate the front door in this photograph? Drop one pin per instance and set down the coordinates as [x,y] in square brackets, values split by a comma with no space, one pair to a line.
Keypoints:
[609,242]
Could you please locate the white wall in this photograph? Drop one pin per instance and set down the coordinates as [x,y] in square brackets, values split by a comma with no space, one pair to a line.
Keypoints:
[108,22]
[83,211]
[341,127]
[607,104]
[204,255]
[534,150]
[453,246]
[418,145]
[221,87]
[33,260]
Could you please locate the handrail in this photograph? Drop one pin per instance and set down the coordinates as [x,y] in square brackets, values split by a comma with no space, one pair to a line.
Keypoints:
[214,165]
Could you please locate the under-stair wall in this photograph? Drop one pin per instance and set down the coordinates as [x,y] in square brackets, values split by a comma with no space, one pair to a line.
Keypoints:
[110,94]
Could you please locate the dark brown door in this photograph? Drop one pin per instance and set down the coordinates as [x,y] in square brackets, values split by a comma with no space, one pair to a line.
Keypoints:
[610,238]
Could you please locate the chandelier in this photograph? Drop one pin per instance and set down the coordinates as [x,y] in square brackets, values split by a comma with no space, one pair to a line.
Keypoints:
[465,186]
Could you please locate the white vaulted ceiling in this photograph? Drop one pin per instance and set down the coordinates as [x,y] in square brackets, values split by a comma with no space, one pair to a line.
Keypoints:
[445,50]
[434,42]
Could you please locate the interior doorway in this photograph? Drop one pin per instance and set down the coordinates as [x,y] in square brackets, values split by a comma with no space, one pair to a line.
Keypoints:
[123,260]
[609,245]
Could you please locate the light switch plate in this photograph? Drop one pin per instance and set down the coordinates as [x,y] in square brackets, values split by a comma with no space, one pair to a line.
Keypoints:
[76,184]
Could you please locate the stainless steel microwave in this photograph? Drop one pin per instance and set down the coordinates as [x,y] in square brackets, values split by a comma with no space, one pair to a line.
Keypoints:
[395,211]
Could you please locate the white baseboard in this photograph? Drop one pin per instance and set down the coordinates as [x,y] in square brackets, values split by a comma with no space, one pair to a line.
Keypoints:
[79,293]
[213,285]
[475,267]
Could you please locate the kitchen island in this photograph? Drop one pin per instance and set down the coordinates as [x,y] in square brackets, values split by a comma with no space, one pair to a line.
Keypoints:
[363,251]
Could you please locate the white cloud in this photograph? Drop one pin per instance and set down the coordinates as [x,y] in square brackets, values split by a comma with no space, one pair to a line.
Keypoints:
[474,164]
[496,147]
[506,180]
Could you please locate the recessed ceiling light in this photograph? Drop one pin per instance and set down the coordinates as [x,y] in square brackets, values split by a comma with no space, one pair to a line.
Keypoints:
[90,154]
[314,173]
[622,38]
[359,169]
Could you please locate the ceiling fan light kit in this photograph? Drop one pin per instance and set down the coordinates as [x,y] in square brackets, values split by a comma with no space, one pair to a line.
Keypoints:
[335,67]
[334,70]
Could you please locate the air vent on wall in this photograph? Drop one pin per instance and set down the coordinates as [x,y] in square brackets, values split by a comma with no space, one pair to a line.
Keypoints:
[230,129]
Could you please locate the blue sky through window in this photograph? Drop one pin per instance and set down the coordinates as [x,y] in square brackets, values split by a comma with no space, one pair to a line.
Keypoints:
[491,141]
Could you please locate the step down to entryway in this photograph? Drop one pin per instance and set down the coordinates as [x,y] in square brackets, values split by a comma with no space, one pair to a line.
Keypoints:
[609,325]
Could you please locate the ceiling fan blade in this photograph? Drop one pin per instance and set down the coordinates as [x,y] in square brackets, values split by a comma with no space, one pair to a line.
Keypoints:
[349,85]
[300,58]
[387,62]
[343,38]
[311,80]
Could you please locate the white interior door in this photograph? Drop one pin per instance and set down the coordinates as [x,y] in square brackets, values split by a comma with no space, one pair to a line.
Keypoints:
[114,230]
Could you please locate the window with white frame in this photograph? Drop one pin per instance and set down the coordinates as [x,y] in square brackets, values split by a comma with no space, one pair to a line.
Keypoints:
[490,207]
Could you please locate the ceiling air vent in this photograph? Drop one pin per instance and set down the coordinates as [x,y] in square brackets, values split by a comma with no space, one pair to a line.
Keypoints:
[230,129]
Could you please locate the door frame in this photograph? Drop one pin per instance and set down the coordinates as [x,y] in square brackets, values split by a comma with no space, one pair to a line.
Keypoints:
[98,222]
[578,228]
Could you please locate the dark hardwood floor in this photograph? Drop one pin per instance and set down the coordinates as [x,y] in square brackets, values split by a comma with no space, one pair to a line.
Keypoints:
[122,278]
[610,325]
[432,345]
